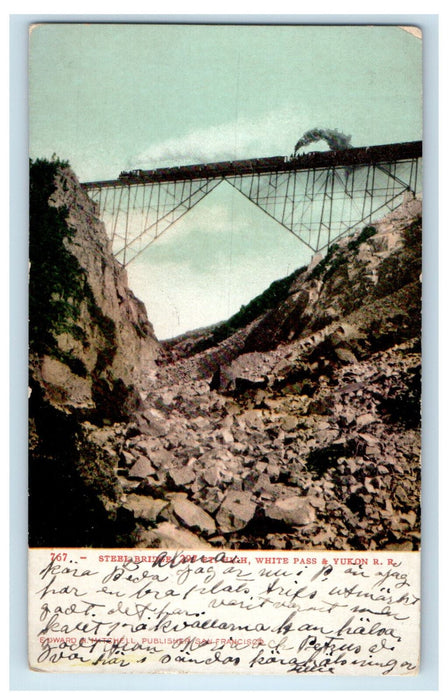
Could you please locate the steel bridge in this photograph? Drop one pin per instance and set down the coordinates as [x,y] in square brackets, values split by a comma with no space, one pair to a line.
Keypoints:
[318,197]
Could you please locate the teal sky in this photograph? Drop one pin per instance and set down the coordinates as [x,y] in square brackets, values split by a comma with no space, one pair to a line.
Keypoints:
[113,97]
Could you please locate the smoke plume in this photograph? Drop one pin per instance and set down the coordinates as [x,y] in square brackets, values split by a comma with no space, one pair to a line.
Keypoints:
[337,141]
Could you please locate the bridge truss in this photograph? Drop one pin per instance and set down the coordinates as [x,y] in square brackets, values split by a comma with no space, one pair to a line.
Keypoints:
[317,197]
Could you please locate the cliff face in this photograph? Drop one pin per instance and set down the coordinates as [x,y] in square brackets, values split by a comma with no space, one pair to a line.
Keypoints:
[90,346]
[293,425]
[91,341]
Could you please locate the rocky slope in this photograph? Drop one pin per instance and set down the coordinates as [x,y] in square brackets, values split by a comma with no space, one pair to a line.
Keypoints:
[301,429]
[295,424]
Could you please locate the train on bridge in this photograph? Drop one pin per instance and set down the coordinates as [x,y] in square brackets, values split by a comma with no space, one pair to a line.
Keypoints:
[318,196]
[224,168]
[315,159]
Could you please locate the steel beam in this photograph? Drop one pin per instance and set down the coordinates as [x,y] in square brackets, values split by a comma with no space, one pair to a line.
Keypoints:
[317,204]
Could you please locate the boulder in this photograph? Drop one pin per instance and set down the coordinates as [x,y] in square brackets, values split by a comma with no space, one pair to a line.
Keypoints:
[223,380]
[150,423]
[170,536]
[62,385]
[212,475]
[236,511]
[263,484]
[273,470]
[182,475]
[161,458]
[141,469]
[193,517]
[145,507]
[365,419]
[289,423]
[294,510]
[252,419]
[226,436]
[127,459]
[211,499]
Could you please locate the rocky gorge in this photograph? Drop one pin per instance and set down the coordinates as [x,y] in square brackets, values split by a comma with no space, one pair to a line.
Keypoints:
[293,425]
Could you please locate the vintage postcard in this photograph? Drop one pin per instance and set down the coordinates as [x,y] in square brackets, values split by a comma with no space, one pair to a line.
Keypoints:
[225,348]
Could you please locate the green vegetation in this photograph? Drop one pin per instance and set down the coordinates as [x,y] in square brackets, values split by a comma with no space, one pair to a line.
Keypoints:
[57,283]
[413,234]
[331,262]
[403,267]
[365,234]
[336,255]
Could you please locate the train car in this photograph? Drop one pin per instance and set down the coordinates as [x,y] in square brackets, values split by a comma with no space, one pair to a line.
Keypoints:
[190,171]
[269,163]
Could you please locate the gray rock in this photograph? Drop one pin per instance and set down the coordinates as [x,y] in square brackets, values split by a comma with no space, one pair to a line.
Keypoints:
[289,423]
[294,510]
[410,518]
[365,419]
[261,467]
[144,444]
[212,475]
[127,486]
[153,424]
[263,483]
[226,436]
[127,458]
[64,382]
[193,517]
[201,423]
[236,511]
[169,536]
[373,451]
[182,475]
[145,507]
[251,419]
[223,380]
[161,458]
[211,499]
[141,469]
